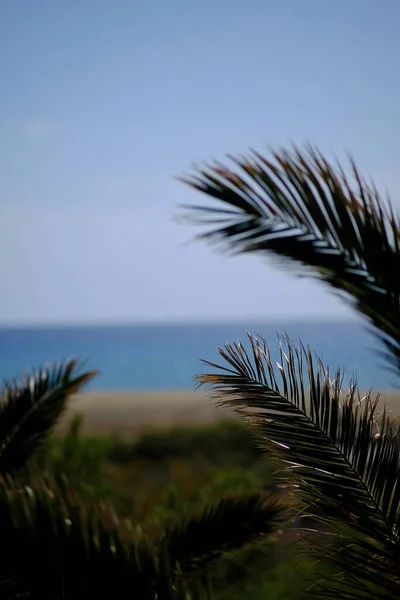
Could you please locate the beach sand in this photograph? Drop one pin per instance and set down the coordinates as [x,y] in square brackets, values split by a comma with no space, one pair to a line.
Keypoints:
[128,413]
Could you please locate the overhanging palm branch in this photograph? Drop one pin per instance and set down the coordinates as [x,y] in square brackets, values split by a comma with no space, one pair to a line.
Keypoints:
[223,527]
[365,569]
[299,207]
[59,546]
[341,454]
[29,410]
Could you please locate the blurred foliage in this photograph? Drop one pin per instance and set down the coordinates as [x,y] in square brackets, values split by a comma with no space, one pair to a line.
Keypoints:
[161,474]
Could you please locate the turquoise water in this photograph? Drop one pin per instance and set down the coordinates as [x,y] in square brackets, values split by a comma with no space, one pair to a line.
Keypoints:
[168,356]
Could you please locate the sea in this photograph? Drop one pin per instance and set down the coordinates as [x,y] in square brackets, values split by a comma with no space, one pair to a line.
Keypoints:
[168,356]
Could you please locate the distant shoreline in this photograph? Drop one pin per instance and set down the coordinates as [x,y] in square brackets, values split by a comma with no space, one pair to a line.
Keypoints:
[128,412]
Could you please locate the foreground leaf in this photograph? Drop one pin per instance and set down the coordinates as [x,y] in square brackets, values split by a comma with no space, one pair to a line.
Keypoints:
[341,457]
[61,547]
[228,525]
[300,209]
[29,410]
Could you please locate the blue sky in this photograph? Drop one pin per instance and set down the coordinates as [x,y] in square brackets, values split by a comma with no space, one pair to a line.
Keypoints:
[102,104]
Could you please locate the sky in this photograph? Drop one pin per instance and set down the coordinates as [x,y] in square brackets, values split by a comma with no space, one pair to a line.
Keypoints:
[103,104]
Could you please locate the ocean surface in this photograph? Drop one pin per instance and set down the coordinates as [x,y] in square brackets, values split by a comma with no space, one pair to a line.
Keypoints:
[161,357]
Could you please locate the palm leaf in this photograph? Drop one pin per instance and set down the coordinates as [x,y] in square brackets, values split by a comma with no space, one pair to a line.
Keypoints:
[29,410]
[336,447]
[301,209]
[228,525]
[61,546]
[365,569]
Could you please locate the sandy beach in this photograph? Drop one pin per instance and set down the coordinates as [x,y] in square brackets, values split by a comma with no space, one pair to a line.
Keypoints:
[126,413]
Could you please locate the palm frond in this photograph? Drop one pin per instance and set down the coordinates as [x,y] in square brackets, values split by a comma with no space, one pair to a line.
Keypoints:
[365,568]
[301,209]
[58,546]
[230,524]
[335,445]
[29,409]
[61,546]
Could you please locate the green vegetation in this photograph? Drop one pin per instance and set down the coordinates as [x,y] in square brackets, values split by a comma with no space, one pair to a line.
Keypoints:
[154,478]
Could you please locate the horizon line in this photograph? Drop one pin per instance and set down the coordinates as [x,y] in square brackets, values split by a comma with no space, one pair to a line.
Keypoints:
[178,322]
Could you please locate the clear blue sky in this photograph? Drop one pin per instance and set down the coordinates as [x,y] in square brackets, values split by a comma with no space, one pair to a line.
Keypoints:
[103,103]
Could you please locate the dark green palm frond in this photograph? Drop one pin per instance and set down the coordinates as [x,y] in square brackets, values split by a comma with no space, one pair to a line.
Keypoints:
[299,207]
[30,408]
[336,447]
[365,568]
[59,546]
[228,525]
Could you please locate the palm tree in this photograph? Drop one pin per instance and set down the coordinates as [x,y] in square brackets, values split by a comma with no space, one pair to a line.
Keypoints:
[56,544]
[339,449]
